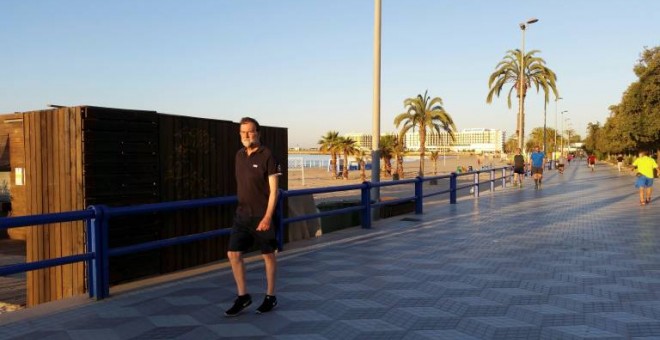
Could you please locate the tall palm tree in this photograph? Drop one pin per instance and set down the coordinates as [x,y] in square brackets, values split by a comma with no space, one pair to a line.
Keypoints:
[362,159]
[399,151]
[328,144]
[434,158]
[535,73]
[423,113]
[387,144]
[346,146]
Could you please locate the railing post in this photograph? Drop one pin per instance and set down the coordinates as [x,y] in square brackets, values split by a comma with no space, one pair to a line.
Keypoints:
[476,183]
[100,271]
[90,245]
[492,180]
[366,205]
[419,195]
[503,177]
[280,219]
[452,188]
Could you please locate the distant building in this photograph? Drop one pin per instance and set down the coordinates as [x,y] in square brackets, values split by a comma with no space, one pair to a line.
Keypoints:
[362,140]
[467,140]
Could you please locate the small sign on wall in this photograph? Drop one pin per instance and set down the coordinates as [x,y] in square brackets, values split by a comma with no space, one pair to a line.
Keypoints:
[18,178]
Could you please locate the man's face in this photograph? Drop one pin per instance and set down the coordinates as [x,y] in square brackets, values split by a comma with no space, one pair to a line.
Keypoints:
[536,149]
[249,135]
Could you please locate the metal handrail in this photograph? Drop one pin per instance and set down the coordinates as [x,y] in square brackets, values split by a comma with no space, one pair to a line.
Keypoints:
[97,217]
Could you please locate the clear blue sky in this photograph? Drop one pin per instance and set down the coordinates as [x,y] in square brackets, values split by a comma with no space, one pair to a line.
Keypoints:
[307,64]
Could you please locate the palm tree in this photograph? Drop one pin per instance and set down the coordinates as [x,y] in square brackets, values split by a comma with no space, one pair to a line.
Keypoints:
[328,144]
[362,154]
[535,74]
[434,158]
[423,113]
[347,147]
[387,144]
[399,151]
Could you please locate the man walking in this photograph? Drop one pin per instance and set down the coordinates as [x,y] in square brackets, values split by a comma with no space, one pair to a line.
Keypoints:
[537,159]
[518,168]
[645,166]
[257,174]
[619,162]
[591,161]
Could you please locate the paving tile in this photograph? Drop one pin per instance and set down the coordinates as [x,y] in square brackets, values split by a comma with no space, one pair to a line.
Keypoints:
[491,281]
[417,318]
[353,309]
[438,335]
[620,293]
[498,327]
[626,324]
[514,296]
[472,306]
[578,332]
[649,309]
[585,303]
[449,289]
[584,277]
[364,329]
[405,298]
[551,287]
[545,315]
[643,282]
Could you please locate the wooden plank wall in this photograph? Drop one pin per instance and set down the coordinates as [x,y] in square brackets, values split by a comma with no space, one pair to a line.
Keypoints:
[12,125]
[53,182]
[121,167]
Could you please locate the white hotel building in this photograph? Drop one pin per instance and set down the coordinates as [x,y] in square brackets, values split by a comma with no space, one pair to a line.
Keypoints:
[467,140]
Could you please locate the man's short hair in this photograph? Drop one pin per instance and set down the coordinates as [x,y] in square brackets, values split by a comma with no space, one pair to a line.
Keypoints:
[246,120]
[643,152]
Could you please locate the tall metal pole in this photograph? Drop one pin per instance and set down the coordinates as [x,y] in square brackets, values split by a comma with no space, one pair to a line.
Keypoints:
[554,147]
[375,134]
[521,109]
[561,150]
[545,146]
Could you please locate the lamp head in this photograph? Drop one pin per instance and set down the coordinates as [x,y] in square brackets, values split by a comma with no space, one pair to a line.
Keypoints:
[532,20]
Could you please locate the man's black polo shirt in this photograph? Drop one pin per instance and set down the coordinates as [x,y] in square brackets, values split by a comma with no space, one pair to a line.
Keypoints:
[252,174]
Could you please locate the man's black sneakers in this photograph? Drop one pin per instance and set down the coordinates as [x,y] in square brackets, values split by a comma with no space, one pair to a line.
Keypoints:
[270,302]
[240,304]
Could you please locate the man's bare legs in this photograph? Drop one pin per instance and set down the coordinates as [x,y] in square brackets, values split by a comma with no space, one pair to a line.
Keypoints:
[271,272]
[238,269]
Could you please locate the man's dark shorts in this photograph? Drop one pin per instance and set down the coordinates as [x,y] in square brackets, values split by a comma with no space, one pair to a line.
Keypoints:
[244,235]
[520,170]
[537,170]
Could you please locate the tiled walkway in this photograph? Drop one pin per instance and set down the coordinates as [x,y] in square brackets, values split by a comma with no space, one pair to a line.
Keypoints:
[579,259]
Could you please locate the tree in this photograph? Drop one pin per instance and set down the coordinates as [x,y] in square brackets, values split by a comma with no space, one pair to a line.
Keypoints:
[387,144]
[362,160]
[328,144]
[634,123]
[511,144]
[347,147]
[434,158]
[424,114]
[508,71]
[399,151]
[536,139]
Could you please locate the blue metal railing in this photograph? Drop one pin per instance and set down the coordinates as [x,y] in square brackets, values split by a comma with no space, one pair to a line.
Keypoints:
[96,218]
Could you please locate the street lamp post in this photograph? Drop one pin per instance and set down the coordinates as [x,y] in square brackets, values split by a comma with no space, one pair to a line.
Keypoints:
[554,148]
[521,85]
[561,149]
[375,138]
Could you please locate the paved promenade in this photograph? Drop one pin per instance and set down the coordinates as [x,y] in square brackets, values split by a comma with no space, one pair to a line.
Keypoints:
[579,259]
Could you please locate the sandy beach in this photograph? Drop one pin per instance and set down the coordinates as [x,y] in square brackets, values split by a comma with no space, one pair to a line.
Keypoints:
[318,177]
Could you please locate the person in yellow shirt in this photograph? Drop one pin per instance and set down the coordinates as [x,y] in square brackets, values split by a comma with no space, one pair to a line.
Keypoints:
[645,166]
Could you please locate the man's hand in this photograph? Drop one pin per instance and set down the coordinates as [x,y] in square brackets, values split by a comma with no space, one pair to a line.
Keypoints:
[264,225]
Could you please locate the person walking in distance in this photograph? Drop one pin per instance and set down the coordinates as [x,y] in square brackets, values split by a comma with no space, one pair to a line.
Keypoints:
[619,162]
[591,161]
[645,166]
[538,160]
[257,175]
[518,168]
